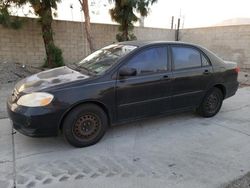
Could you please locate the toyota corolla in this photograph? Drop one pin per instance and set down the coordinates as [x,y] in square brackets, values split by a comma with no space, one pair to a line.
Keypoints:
[120,83]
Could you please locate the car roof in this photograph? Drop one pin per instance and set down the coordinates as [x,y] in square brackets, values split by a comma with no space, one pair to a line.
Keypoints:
[141,43]
[212,56]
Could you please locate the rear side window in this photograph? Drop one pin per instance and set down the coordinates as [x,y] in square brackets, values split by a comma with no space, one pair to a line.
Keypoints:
[204,61]
[151,60]
[185,57]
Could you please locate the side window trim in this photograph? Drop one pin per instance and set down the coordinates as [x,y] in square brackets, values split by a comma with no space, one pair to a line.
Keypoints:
[169,61]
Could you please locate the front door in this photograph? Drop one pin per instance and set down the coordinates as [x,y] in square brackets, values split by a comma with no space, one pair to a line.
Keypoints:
[149,91]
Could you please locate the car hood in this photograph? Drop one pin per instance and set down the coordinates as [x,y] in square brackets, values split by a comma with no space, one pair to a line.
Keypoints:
[48,79]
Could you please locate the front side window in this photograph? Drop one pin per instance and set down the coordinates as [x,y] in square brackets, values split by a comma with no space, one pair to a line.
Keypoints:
[185,57]
[151,60]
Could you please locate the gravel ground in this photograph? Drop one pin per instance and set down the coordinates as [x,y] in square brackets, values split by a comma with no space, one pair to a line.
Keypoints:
[10,73]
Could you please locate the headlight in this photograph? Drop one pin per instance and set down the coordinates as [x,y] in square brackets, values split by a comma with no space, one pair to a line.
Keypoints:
[35,99]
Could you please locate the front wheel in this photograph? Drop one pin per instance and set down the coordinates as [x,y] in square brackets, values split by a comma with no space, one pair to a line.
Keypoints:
[85,125]
[211,103]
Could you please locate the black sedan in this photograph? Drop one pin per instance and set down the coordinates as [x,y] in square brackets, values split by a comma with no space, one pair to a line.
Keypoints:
[119,83]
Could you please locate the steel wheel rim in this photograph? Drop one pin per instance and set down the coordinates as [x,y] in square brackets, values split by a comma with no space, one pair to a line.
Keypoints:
[86,127]
[212,103]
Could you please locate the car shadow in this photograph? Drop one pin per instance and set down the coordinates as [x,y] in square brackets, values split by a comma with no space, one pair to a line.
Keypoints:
[30,145]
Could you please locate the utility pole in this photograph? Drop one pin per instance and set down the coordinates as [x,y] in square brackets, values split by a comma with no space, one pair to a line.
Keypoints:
[71,7]
[172,23]
[177,30]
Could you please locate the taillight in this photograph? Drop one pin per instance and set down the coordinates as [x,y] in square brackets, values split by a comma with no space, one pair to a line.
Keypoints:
[237,69]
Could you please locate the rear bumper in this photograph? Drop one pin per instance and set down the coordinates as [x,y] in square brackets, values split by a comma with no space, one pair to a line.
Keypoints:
[231,88]
[34,122]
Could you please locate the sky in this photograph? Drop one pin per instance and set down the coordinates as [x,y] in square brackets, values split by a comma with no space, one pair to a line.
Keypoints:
[193,13]
[198,13]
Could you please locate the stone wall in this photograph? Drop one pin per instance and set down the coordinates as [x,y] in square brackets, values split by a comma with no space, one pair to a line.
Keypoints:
[229,42]
[26,45]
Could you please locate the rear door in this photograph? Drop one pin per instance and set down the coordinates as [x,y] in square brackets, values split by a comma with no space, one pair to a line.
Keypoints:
[149,91]
[192,72]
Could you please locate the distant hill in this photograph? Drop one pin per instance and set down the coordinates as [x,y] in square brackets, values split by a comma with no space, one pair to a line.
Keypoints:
[234,21]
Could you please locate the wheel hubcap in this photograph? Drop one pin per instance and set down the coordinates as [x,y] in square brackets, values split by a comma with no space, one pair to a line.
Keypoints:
[86,127]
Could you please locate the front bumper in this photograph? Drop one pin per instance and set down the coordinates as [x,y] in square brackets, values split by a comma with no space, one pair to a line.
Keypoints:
[35,121]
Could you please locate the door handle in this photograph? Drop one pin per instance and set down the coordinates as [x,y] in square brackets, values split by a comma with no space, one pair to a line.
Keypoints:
[206,71]
[165,77]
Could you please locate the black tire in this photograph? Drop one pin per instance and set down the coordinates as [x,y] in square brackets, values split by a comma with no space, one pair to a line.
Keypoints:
[211,103]
[85,125]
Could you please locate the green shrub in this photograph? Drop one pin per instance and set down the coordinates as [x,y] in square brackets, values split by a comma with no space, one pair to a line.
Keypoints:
[56,57]
[10,21]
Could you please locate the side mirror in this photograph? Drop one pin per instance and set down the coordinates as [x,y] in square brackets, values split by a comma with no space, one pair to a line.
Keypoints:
[126,71]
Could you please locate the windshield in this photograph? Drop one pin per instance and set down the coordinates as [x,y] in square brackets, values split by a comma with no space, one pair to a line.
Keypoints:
[101,60]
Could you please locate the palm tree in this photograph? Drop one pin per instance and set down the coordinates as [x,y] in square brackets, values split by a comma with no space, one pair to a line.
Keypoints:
[85,8]
[123,14]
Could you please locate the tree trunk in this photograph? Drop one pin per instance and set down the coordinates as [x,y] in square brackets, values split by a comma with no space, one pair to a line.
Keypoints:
[46,24]
[125,32]
[85,8]
[48,42]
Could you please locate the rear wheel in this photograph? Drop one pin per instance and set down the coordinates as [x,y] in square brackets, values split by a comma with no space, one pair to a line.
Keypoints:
[211,103]
[85,125]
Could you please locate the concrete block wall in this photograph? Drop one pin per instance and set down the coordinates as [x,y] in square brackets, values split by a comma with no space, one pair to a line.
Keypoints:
[26,44]
[146,33]
[229,42]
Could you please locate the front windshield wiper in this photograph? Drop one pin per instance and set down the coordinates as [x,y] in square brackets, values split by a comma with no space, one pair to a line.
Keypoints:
[81,69]
[74,67]
[87,70]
